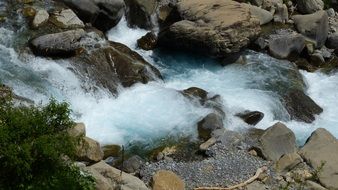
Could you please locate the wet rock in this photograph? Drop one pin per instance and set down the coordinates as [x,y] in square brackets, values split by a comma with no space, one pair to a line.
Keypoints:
[89,150]
[147,42]
[41,17]
[133,164]
[107,177]
[165,180]
[321,152]
[276,141]
[102,14]
[288,161]
[139,13]
[285,43]
[251,118]
[114,65]
[300,106]
[196,92]
[209,124]
[111,151]
[215,28]
[66,19]
[63,44]
[309,6]
[262,15]
[314,26]
[332,41]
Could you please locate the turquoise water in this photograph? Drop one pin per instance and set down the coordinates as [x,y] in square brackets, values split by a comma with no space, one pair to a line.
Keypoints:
[156,110]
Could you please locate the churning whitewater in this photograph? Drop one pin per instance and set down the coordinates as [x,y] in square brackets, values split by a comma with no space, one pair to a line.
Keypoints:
[147,112]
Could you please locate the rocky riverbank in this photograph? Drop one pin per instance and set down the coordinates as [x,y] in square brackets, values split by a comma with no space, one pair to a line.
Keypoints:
[302,32]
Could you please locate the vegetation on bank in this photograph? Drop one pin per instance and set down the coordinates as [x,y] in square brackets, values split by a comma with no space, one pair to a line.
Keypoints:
[36,151]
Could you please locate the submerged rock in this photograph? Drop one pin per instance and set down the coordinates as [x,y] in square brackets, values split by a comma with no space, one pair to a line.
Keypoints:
[314,26]
[251,118]
[321,152]
[212,27]
[300,106]
[103,14]
[276,141]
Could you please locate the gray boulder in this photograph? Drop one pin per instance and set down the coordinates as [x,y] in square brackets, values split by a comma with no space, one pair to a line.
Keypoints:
[133,164]
[262,15]
[40,18]
[309,6]
[314,26]
[281,15]
[102,14]
[300,106]
[332,41]
[61,44]
[276,141]
[139,13]
[321,152]
[284,43]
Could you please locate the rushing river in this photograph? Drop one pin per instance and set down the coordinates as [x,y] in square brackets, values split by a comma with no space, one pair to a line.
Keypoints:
[156,110]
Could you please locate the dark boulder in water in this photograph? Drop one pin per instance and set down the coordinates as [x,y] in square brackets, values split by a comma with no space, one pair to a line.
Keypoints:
[209,124]
[251,117]
[300,106]
[147,42]
[113,65]
[102,14]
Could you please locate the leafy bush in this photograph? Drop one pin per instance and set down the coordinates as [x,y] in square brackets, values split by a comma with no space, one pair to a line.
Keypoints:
[36,150]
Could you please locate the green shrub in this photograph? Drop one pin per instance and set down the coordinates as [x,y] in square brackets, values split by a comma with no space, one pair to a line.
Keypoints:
[35,149]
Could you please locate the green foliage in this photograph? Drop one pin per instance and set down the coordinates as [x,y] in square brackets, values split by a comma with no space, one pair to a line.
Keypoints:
[36,150]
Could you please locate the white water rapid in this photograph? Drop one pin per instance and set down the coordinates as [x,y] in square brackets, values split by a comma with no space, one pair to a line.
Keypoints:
[155,110]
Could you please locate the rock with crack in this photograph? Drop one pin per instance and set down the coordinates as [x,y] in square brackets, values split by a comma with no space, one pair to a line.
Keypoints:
[276,141]
[321,152]
[313,26]
[212,27]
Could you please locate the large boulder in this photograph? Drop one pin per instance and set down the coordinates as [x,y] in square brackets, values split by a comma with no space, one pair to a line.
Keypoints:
[165,180]
[321,152]
[212,27]
[276,141]
[139,13]
[61,44]
[102,14]
[314,26]
[109,178]
[66,19]
[285,43]
[309,6]
[300,106]
[89,150]
[114,65]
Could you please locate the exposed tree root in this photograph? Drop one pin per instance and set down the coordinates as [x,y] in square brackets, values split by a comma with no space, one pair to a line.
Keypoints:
[250,180]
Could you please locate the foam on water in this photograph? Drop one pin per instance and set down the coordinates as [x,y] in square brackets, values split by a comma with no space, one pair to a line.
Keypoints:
[155,110]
